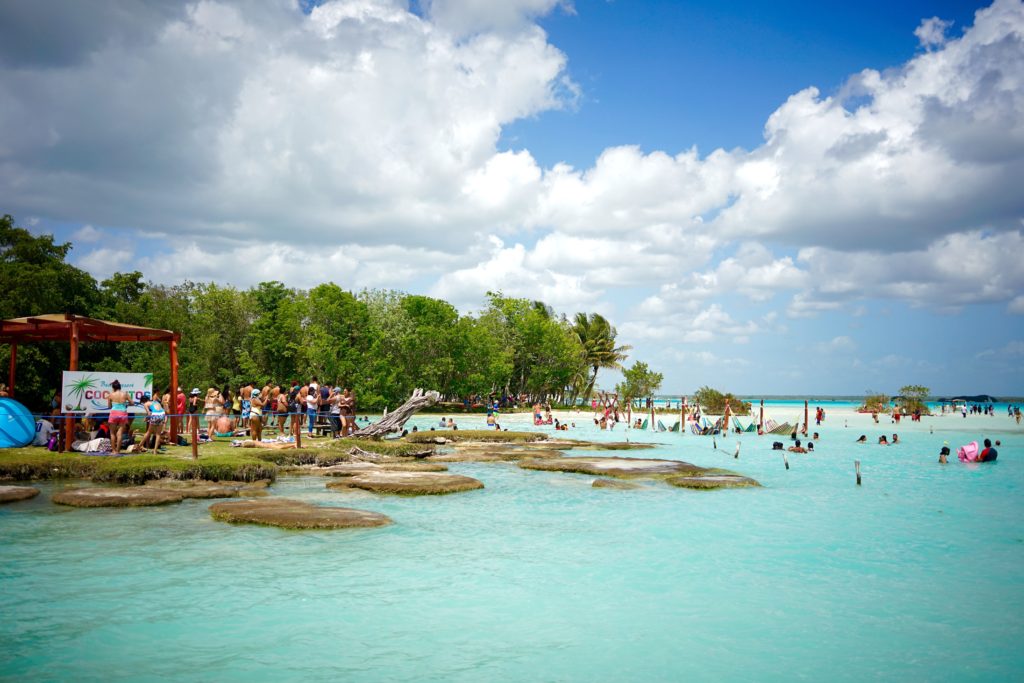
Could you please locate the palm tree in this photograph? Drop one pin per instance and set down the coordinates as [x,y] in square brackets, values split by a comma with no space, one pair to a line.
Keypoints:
[597,341]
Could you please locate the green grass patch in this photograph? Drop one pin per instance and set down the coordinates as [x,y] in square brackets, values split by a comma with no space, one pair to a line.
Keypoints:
[26,464]
[218,461]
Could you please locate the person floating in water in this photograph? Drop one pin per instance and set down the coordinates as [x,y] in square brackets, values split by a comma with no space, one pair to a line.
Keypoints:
[863,439]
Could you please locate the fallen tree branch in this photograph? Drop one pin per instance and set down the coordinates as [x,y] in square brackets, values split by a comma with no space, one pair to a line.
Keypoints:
[396,419]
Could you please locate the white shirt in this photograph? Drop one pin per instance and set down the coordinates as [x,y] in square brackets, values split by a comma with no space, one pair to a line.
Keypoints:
[44,428]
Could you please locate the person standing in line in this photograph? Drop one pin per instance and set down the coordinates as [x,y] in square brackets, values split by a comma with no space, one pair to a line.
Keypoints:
[282,410]
[348,411]
[256,415]
[118,402]
[192,408]
[212,404]
[312,405]
[155,418]
[179,403]
[335,411]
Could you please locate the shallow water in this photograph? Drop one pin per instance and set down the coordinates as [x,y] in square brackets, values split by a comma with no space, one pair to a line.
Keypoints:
[916,574]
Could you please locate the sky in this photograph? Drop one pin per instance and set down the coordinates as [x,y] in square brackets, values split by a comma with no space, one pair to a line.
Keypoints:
[766,198]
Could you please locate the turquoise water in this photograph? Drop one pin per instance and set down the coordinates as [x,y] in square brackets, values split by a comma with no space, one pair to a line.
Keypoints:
[916,575]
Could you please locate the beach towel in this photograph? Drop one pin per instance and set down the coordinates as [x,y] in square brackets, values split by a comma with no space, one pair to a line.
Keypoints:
[968,453]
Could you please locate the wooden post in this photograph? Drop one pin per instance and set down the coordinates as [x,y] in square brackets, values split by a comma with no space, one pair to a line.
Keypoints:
[682,415]
[736,455]
[785,459]
[11,368]
[760,421]
[173,408]
[195,438]
[856,464]
[298,432]
[654,427]
[69,418]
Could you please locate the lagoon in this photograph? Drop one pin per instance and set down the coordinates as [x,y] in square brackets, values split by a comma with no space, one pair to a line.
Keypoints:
[917,574]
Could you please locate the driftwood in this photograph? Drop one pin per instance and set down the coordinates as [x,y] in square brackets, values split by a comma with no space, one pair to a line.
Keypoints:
[393,421]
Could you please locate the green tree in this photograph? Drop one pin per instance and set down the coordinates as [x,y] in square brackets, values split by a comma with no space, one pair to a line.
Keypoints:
[335,339]
[913,398]
[713,401]
[638,381]
[596,337]
[875,403]
[271,349]
[36,279]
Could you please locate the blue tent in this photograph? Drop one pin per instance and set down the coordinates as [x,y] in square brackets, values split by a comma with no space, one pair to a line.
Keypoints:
[17,426]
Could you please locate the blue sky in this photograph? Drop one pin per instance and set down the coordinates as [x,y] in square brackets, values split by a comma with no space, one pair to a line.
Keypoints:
[668,74]
[775,198]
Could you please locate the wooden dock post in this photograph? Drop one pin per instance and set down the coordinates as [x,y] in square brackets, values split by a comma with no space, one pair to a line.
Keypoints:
[856,464]
[785,459]
[736,455]
[195,437]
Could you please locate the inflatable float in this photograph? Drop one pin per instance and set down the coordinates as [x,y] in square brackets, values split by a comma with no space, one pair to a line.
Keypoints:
[17,426]
[968,453]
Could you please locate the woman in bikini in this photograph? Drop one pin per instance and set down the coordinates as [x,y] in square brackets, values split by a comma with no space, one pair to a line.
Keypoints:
[212,406]
[155,418]
[256,415]
[118,402]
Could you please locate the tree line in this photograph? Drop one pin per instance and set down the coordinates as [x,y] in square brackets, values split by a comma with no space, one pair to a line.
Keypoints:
[381,343]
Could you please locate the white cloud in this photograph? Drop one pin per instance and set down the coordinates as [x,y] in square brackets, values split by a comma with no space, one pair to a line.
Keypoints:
[1012,350]
[506,270]
[932,32]
[87,234]
[935,147]
[840,344]
[954,271]
[469,16]
[104,262]
[360,144]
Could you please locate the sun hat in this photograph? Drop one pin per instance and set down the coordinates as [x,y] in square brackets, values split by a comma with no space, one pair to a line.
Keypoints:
[196,392]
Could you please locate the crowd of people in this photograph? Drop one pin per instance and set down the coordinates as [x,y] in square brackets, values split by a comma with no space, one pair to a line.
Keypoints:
[218,413]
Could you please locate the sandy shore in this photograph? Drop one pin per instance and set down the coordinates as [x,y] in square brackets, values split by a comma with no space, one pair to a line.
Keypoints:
[842,418]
